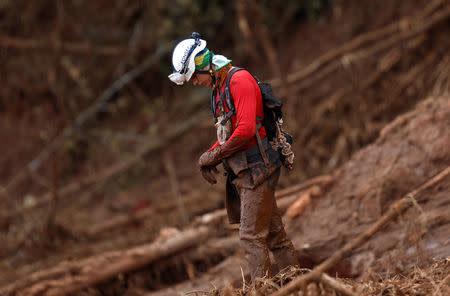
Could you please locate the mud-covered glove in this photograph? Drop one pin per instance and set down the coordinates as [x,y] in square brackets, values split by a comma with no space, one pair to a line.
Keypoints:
[208,173]
[211,158]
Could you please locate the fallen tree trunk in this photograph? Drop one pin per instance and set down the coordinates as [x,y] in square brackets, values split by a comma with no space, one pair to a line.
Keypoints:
[320,180]
[70,277]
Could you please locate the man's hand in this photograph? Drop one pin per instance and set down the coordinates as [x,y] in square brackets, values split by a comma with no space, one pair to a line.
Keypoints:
[211,158]
[208,173]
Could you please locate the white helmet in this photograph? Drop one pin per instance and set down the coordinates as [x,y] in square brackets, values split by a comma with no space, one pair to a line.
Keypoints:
[183,58]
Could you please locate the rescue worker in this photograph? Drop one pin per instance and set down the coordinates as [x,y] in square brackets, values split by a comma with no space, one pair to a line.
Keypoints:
[251,179]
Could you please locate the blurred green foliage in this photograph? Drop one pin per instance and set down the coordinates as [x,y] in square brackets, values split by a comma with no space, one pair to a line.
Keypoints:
[216,21]
[175,19]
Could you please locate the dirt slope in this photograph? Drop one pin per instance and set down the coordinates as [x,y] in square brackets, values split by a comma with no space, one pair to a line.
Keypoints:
[409,151]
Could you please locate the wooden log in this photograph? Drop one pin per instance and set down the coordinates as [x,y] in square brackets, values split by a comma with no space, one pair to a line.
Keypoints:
[300,205]
[70,277]
[324,180]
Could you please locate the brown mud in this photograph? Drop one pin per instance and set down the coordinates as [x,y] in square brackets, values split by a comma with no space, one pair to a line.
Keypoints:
[119,207]
[409,151]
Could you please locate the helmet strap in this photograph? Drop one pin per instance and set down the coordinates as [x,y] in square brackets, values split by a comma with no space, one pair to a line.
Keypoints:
[196,38]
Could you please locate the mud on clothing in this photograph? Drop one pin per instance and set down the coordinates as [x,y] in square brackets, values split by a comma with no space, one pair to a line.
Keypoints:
[251,183]
[262,230]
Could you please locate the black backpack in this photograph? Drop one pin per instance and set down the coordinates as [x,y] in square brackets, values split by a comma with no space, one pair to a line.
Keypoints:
[271,105]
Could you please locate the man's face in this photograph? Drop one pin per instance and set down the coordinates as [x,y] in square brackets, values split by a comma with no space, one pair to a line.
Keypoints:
[202,79]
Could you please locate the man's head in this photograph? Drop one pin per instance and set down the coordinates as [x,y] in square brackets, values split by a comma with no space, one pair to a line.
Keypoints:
[191,59]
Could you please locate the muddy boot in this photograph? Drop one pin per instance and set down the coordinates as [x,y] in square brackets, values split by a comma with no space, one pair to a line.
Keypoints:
[257,255]
[285,256]
[281,246]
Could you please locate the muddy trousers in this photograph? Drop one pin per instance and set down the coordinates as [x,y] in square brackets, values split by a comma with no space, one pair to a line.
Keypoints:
[262,230]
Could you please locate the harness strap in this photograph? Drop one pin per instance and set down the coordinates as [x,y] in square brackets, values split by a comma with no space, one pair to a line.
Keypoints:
[261,147]
[254,150]
[224,97]
[227,117]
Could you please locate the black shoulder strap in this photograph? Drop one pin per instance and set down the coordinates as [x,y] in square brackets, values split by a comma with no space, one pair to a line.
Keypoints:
[225,97]
[228,99]
[213,103]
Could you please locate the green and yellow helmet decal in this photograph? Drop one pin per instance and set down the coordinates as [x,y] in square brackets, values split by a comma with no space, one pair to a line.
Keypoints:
[202,59]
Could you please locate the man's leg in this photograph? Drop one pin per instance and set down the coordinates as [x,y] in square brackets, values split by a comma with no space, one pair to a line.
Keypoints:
[281,246]
[256,211]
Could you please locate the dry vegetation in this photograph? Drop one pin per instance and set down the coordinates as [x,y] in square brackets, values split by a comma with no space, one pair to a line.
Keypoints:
[433,280]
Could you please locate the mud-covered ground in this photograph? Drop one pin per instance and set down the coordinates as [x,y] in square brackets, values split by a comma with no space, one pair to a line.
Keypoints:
[409,151]
[366,98]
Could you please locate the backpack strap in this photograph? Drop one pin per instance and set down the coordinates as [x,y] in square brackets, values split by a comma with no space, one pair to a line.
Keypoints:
[260,144]
[213,104]
[226,98]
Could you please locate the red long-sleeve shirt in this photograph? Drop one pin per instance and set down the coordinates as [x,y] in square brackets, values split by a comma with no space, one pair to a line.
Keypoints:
[248,104]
